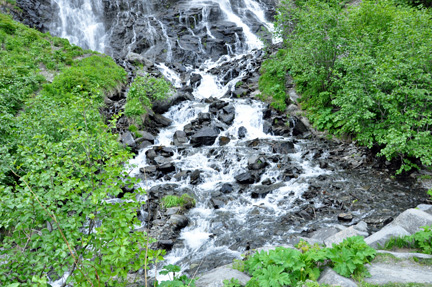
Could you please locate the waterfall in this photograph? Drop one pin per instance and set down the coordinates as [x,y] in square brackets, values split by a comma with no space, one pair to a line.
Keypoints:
[81,22]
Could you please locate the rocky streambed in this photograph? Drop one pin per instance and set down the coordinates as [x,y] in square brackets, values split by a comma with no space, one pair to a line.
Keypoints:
[259,177]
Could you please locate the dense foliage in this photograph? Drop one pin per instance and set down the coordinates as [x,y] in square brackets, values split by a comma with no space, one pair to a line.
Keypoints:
[143,91]
[59,165]
[288,267]
[365,71]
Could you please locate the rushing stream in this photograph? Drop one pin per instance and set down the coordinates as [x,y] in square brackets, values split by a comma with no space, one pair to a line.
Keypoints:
[256,188]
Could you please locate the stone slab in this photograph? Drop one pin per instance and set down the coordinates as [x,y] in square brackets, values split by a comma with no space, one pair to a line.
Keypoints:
[215,277]
[399,272]
[328,276]
[405,255]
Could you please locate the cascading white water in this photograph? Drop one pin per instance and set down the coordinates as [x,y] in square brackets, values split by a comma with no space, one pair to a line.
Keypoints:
[81,22]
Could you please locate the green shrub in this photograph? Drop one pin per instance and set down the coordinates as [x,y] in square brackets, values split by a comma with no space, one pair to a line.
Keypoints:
[364,71]
[142,92]
[349,257]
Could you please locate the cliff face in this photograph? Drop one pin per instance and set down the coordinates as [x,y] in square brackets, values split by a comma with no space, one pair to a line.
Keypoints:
[172,31]
[35,13]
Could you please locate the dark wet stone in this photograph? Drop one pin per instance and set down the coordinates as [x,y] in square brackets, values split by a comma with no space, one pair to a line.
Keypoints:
[145,136]
[205,136]
[150,155]
[226,118]
[161,121]
[195,79]
[165,244]
[143,145]
[284,147]
[178,221]
[246,178]
[195,176]
[226,188]
[242,131]
[297,126]
[257,162]
[216,203]
[167,167]
[267,128]
[180,138]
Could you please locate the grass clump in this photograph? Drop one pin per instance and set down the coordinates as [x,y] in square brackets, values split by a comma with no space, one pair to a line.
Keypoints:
[185,201]
[421,241]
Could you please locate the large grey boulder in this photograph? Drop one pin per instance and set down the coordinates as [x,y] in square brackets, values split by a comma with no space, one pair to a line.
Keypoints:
[425,207]
[407,223]
[328,276]
[413,219]
[215,277]
[360,229]
[381,237]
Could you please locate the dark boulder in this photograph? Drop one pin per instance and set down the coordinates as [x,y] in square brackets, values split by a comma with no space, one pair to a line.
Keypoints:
[297,126]
[128,140]
[178,221]
[226,188]
[246,178]
[205,136]
[145,136]
[195,177]
[242,131]
[180,138]
[284,147]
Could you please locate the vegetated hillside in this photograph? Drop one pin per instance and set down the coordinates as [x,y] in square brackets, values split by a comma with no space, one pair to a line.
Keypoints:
[59,162]
[365,71]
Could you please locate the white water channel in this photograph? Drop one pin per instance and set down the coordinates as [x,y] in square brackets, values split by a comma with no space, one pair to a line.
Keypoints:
[208,232]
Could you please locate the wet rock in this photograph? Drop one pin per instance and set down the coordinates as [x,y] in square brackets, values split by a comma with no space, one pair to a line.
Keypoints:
[345,217]
[160,160]
[246,178]
[195,177]
[165,244]
[216,203]
[166,168]
[263,190]
[223,140]
[178,221]
[127,139]
[180,138]
[205,136]
[267,128]
[161,121]
[283,147]
[195,79]
[150,155]
[162,106]
[149,170]
[226,188]
[242,131]
[142,145]
[324,233]
[226,118]
[257,162]
[182,175]
[297,126]
[145,136]
[173,210]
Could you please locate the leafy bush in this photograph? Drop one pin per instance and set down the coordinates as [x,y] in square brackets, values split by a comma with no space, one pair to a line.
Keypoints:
[232,283]
[421,240]
[364,71]
[59,164]
[349,257]
[142,92]
[286,266]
